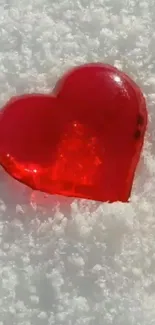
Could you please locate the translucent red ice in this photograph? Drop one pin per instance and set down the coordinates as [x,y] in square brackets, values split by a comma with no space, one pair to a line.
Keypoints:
[84,141]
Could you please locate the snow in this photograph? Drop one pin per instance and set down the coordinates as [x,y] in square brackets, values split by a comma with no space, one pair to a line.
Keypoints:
[77,262]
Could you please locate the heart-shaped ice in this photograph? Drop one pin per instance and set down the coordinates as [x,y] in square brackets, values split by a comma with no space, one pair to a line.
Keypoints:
[85,141]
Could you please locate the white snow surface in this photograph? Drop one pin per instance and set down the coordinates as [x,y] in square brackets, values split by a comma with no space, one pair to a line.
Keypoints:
[64,261]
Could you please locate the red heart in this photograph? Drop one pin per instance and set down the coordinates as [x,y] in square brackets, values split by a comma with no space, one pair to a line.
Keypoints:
[85,142]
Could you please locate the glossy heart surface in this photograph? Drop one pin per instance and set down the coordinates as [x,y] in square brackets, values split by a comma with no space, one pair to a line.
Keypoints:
[84,141]
[115,107]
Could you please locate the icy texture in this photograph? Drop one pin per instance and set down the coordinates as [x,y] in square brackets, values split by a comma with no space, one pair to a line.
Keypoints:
[77,262]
